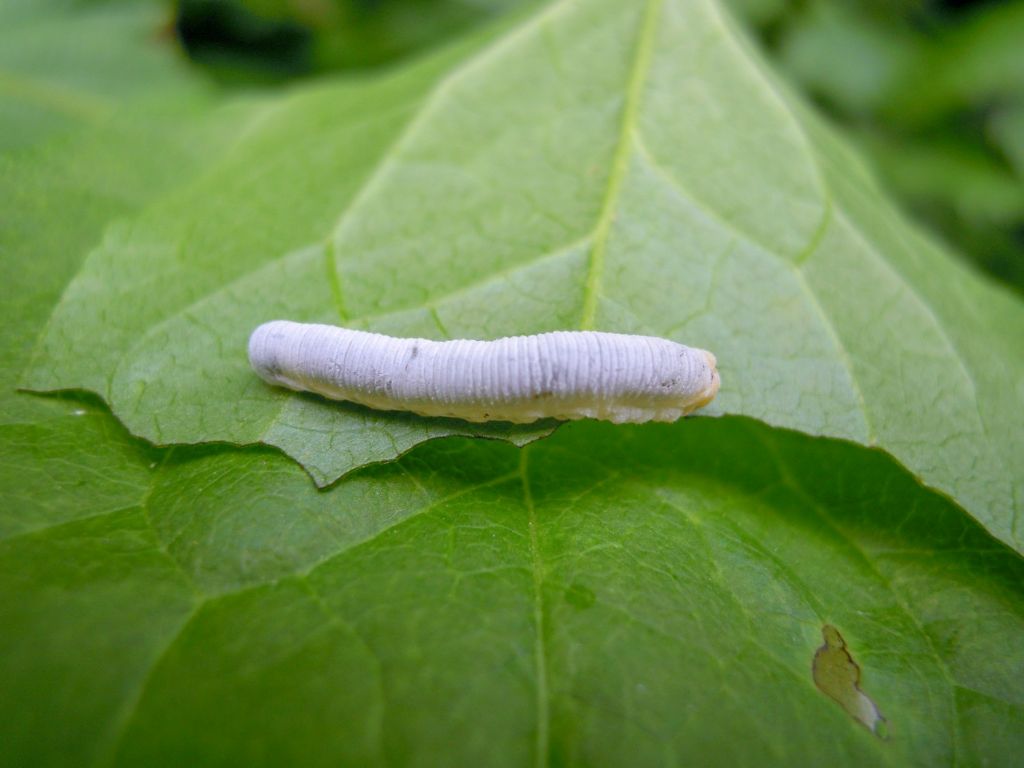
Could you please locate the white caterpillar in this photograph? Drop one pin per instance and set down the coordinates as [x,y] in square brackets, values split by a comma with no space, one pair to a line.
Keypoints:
[565,374]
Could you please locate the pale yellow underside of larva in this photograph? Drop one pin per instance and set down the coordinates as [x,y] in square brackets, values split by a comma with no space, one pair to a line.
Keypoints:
[564,409]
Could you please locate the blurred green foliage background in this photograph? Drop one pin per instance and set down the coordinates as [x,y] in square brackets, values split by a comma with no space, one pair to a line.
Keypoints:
[932,92]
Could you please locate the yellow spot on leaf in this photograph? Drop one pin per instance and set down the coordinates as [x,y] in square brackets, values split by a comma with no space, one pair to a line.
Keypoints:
[837,676]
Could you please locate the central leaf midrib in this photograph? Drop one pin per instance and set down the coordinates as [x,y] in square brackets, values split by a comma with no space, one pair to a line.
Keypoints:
[620,160]
[542,745]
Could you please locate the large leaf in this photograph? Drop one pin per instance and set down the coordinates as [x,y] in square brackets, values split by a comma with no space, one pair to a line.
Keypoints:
[600,165]
[620,597]
[613,596]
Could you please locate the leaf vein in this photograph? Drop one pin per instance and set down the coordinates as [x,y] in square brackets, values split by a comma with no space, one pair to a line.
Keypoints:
[620,161]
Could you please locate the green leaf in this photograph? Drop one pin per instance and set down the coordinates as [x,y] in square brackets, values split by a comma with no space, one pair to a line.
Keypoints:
[918,87]
[633,596]
[874,55]
[758,12]
[956,172]
[57,193]
[117,52]
[612,596]
[600,165]
[354,33]
[58,196]
[970,66]
[967,193]
[1008,133]
[303,134]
